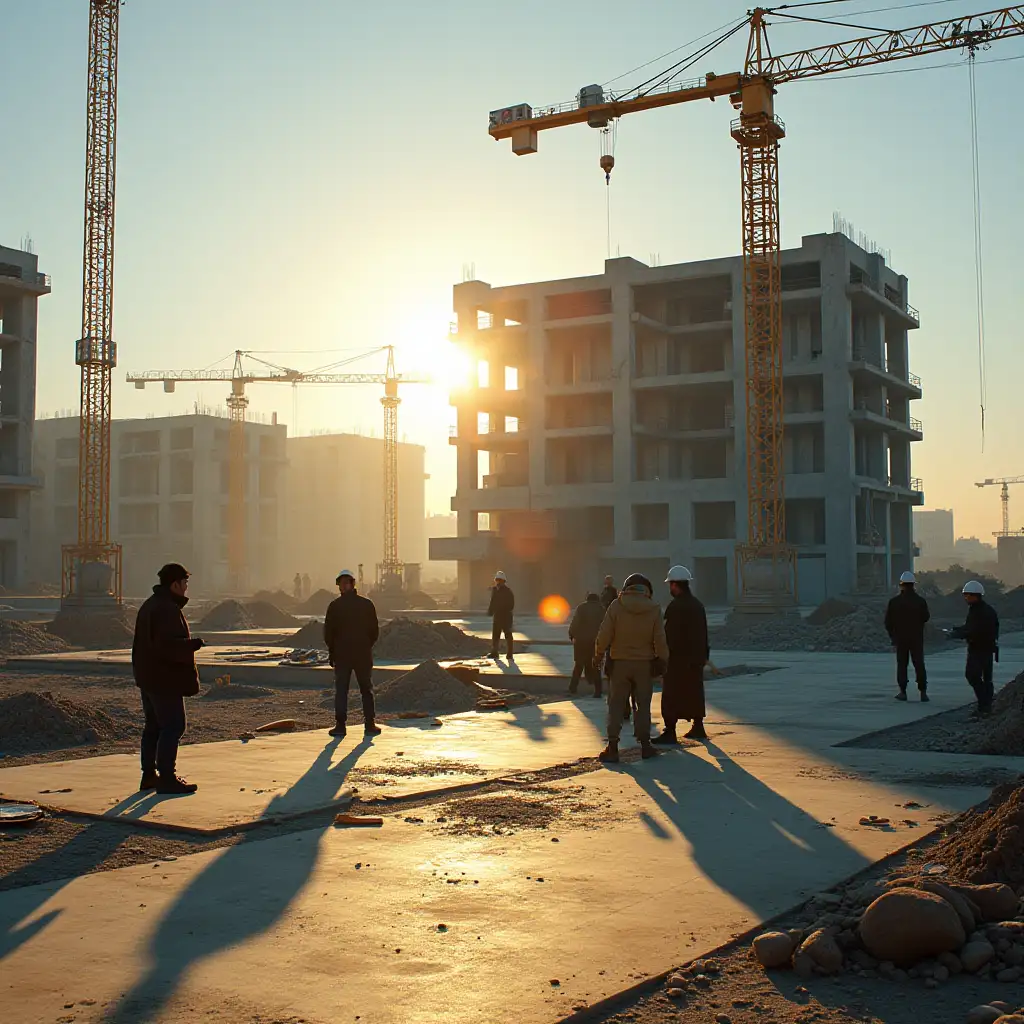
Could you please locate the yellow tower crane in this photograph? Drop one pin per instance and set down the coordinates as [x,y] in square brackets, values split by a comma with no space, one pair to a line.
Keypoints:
[766,563]
[389,572]
[1004,497]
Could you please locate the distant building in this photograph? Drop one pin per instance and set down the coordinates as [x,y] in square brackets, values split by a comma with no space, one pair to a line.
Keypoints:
[933,533]
[335,506]
[21,286]
[444,525]
[169,498]
[971,551]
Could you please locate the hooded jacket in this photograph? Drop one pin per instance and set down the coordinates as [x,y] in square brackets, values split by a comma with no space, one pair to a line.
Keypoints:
[163,651]
[633,629]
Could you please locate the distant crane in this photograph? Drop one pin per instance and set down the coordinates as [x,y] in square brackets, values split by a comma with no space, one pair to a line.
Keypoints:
[389,572]
[1004,497]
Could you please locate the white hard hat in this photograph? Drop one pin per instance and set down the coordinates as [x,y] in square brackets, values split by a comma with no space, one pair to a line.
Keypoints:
[679,574]
[499,575]
[974,587]
[345,572]
[907,577]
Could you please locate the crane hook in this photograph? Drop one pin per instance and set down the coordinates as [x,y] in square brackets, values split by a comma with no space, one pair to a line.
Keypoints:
[607,163]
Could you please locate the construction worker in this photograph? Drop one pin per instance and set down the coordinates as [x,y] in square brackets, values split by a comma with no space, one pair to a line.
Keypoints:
[682,686]
[609,593]
[297,587]
[633,630]
[905,616]
[981,631]
[164,667]
[583,630]
[350,631]
[500,608]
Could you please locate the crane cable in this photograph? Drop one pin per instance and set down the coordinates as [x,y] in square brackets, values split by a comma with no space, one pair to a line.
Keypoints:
[979,270]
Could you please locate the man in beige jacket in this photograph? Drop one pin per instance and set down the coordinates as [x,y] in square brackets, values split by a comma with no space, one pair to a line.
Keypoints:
[634,632]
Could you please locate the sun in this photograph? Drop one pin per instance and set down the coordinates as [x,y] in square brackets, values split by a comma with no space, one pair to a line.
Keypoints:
[449,367]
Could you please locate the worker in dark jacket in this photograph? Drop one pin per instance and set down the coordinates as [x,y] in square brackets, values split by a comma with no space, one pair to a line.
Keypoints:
[682,687]
[164,667]
[350,631]
[905,616]
[583,630]
[610,591]
[501,607]
[981,631]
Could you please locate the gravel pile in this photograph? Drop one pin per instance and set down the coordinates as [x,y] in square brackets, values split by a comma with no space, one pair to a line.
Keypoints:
[94,630]
[829,609]
[266,615]
[275,597]
[404,638]
[310,637]
[227,615]
[1005,729]
[43,721]
[428,687]
[21,638]
[317,603]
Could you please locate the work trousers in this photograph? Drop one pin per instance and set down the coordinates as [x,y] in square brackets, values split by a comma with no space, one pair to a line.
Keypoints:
[906,653]
[363,668]
[165,725]
[630,678]
[501,626]
[585,664]
[979,675]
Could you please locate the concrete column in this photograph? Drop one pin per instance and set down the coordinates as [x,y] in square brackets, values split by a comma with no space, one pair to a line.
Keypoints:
[622,402]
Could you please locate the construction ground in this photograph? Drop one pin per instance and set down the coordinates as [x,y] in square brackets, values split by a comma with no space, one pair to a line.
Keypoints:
[511,874]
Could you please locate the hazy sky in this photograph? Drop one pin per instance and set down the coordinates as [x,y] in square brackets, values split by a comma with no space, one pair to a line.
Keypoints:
[300,177]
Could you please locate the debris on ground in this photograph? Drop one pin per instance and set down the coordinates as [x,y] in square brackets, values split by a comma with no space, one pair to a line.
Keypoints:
[32,721]
[18,639]
[403,638]
[228,615]
[428,687]
[267,615]
[829,609]
[94,630]
[224,689]
[536,807]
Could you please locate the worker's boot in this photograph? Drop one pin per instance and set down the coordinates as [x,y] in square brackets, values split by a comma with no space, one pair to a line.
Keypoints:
[924,697]
[696,731]
[372,729]
[668,736]
[149,781]
[647,751]
[174,785]
[338,731]
[610,754]
[902,695]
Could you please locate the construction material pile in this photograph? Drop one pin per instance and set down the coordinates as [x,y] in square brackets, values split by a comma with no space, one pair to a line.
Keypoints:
[224,689]
[1004,730]
[310,637]
[403,638]
[317,603]
[275,597]
[428,687]
[99,630]
[18,639]
[228,615]
[32,721]
[266,615]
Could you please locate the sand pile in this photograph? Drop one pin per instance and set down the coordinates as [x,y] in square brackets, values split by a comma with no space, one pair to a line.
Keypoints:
[21,638]
[1004,731]
[310,637]
[235,691]
[275,597]
[986,844]
[404,638]
[428,687]
[266,615]
[94,630]
[317,603]
[45,721]
[226,616]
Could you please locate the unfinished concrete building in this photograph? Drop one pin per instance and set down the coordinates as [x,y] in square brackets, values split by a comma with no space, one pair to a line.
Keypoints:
[21,285]
[169,498]
[606,430]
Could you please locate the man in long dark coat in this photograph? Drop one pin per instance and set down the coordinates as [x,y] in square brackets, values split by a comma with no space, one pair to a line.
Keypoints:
[682,687]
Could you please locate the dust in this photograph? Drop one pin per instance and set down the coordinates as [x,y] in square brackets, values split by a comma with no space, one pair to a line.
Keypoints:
[534,807]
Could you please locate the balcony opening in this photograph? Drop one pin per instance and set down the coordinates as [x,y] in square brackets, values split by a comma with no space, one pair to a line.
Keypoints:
[511,378]
[650,522]
[578,304]
[801,276]
[483,522]
[714,520]
[511,424]
[483,374]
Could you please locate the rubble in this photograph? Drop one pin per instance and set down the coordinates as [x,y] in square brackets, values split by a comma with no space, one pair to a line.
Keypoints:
[228,615]
[829,609]
[94,630]
[32,721]
[18,639]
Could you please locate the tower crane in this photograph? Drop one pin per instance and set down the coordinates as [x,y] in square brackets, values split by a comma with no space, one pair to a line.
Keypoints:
[91,567]
[1004,497]
[389,572]
[766,563]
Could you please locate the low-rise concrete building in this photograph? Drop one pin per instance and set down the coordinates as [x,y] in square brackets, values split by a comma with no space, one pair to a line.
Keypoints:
[21,286]
[606,430]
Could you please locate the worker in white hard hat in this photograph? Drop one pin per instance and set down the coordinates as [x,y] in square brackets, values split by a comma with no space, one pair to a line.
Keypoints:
[682,686]
[905,618]
[500,609]
[350,631]
[981,631]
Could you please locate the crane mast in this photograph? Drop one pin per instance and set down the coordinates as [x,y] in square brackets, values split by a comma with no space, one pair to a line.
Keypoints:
[91,568]
[390,573]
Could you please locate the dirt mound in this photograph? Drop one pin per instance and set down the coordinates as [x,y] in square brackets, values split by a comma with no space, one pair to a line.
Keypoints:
[275,597]
[404,638]
[310,637]
[46,721]
[428,687]
[20,638]
[986,844]
[94,630]
[829,609]
[235,691]
[1004,731]
[317,603]
[226,616]
[266,615]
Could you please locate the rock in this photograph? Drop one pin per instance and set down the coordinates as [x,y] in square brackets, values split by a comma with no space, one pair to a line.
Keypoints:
[678,993]
[863,960]
[823,949]
[906,925]
[1014,956]
[1001,1006]
[983,1014]
[940,972]
[975,955]
[803,964]
[1009,974]
[966,909]
[1011,1018]
[773,949]
[723,1018]
[899,975]
[930,983]
[678,981]
[796,936]
[702,981]
[995,901]
[951,962]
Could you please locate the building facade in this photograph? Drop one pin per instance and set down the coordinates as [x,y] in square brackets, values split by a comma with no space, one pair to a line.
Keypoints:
[605,432]
[934,537]
[21,286]
[169,498]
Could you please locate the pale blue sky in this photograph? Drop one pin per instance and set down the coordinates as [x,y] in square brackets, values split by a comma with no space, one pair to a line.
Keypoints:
[309,176]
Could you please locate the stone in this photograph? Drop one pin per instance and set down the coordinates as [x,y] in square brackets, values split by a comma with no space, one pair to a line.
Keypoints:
[678,981]
[983,1014]
[975,955]
[773,949]
[930,983]
[1001,1006]
[965,908]
[900,975]
[940,972]
[678,993]
[723,1018]
[906,925]
[995,901]
[823,949]
[863,959]
[796,936]
[951,962]
[1011,1018]
[1014,956]
[1009,974]
[803,964]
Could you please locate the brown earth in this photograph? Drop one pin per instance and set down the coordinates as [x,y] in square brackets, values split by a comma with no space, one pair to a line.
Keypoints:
[18,639]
